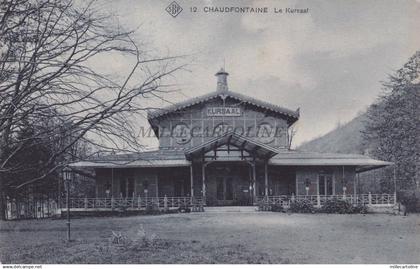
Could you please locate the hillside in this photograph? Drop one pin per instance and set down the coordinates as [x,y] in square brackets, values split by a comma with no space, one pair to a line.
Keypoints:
[344,139]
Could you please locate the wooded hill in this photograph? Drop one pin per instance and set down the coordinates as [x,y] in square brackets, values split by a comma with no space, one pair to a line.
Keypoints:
[346,138]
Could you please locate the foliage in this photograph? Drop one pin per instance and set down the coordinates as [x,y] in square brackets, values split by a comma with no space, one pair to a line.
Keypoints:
[409,199]
[387,131]
[301,206]
[360,208]
[392,125]
[152,209]
[53,93]
[184,209]
[277,208]
[141,239]
[342,207]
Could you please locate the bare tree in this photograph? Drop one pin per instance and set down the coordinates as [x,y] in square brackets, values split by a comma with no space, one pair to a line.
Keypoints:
[48,51]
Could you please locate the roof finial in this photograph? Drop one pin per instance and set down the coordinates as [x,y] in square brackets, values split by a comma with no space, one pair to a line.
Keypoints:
[222,85]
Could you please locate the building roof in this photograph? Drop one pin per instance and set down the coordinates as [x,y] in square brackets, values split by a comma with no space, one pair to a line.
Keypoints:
[299,158]
[156,158]
[291,115]
[177,158]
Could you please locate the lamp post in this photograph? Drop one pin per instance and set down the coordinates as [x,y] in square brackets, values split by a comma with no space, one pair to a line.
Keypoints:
[67,177]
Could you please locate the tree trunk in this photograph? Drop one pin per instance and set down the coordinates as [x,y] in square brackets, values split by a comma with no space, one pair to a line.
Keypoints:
[3,206]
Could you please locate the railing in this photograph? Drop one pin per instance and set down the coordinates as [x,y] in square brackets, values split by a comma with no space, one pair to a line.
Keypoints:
[30,208]
[134,202]
[320,200]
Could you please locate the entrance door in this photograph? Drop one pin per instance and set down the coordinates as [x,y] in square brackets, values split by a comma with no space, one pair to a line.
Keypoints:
[224,188]
[228,184]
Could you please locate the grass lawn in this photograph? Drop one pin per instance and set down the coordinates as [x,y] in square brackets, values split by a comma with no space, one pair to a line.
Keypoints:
[216,238]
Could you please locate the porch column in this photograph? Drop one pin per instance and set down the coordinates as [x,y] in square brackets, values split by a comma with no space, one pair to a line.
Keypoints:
[203,174]
[254,183]
[112,182]
[355,185]
[395,183]
[192,180]
[157,186]
[266,178]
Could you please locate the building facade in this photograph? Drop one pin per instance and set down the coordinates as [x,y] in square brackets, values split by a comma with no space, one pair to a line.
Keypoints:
[225,148]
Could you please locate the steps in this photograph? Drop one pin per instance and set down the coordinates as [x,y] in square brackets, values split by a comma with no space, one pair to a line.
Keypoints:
[228,209]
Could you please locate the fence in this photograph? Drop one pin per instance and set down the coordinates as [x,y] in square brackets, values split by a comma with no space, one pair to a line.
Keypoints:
[320,200]
[134,203]
[30,208]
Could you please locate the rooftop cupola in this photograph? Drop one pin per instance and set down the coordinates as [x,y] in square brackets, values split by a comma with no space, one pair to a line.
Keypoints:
[222,85]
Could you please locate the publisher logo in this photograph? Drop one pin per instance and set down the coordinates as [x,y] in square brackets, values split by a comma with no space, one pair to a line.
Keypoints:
[174,9]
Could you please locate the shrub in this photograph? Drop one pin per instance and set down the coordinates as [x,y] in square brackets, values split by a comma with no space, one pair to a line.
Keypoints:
[144,239]
[342,207]
[302,206]
[184,209]
[337,206]
[277,208]
[152,209]
[117,238]
[360,209]
[409,199]
[263,206]
[141,239]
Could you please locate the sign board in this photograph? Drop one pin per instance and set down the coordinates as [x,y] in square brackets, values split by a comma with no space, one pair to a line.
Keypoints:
[223,112]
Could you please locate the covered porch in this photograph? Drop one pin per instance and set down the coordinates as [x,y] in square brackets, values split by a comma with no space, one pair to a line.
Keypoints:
[230,170]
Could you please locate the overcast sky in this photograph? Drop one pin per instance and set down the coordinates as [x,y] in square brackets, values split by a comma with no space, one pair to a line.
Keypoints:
[328,62]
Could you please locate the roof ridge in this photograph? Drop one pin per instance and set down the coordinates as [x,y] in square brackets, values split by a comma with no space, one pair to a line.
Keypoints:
[205,97]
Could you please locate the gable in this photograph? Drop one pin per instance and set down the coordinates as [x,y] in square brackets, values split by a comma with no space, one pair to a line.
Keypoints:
[195,124]
[290,115]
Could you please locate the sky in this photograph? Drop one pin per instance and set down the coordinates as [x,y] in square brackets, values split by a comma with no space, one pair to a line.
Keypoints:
[329,62]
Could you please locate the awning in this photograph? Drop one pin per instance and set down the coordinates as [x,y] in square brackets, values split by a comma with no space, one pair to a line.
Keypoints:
[131,164]
[295,158]
[231,138]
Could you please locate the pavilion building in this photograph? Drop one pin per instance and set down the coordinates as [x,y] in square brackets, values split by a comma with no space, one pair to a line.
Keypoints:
[224,148]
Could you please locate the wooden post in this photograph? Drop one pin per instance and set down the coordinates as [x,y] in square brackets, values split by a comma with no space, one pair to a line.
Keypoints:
[266,178]
[165,203]
[86,203]
[395,185]
[370,198]
[192,180]
[204,182]
[157,188]
[112,183]
[254,183]
[139,202]
[132,201]
[318,200]
[355,184]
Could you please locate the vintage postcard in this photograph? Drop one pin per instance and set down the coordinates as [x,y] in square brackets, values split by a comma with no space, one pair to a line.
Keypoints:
[140,132]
